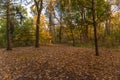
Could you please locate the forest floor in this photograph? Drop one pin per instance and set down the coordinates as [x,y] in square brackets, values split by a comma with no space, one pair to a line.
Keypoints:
[59,63]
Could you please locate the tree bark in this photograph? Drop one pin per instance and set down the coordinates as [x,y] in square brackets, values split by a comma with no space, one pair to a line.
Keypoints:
[95,25]
[72,34]
[37,31]
[60,33]
[8,27]
[39,5]
[60,30]
[107,27]
[50,24]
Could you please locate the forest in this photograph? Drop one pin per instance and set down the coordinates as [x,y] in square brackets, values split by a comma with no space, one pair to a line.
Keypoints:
[59,39]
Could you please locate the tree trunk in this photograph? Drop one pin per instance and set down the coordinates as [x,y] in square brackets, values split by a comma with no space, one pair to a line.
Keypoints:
[51,10]
[50,23]
[72,34]
[95,25]
[86,33]
[39,6]
[60,33]
[107,27]
[8,27]
[37,31]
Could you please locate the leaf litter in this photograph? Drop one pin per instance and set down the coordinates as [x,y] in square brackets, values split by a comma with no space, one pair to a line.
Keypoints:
[59,63]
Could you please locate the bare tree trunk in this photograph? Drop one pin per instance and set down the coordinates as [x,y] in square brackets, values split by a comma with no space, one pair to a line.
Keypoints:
[60,30]
[60,34]
[72,34]
[86,33]
[107,27]
[50,23]
[95,25]
[80,35]
[37,31]
[8,27]
[39,5]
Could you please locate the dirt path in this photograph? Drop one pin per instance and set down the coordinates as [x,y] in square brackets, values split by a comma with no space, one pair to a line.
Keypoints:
[59,63]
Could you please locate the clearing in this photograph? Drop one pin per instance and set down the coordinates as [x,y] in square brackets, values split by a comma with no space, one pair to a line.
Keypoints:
[59,63]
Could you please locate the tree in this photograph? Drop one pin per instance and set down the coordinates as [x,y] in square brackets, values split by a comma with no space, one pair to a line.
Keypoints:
[8,11]
[95,25]
[45,36]
[82,14]
[39,7]
[50,13]
[60,19]
[23,35]
[9,47]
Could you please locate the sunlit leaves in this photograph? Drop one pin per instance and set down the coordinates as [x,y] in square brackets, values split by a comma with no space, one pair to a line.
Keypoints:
[44,34]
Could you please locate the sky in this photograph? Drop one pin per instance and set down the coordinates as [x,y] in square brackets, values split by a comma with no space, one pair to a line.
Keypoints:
[114,8]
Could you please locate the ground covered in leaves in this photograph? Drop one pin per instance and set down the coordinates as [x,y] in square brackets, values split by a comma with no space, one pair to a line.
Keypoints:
[59,63]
